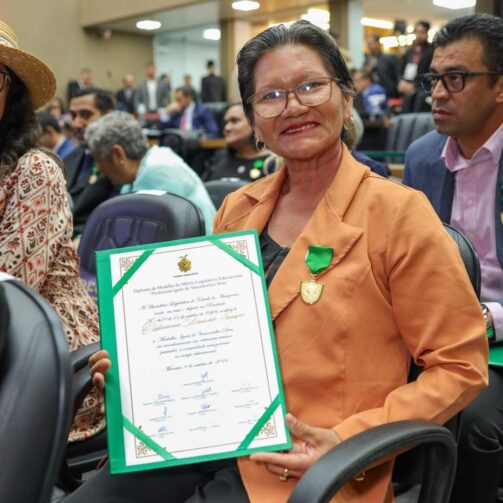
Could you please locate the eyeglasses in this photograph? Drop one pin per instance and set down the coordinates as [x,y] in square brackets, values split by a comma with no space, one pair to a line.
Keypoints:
[4,75]
[311,93]
[454,82]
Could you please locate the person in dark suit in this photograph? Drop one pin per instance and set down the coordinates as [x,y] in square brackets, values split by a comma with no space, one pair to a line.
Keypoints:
[184,114]
[384,68]
[84,81]
[212,86]
[52,136]
[152,93]
[125,97]
[460,169]
[85,184]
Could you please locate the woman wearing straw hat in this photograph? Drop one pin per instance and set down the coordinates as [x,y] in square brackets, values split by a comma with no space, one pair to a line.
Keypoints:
[35,217]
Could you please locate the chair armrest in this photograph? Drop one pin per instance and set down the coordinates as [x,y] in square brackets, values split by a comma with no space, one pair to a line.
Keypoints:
[80,357]
[81,379]
[351,457]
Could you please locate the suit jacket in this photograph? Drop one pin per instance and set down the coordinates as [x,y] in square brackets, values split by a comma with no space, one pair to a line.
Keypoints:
[125,104]
[426,171]
[65,148]
[85,196]
[162,94]
[202,118]
[386,72]
[424,62]
[344,360]
[212,89]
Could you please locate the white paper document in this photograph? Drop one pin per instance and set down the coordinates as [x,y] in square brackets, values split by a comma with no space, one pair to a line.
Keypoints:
[194,370]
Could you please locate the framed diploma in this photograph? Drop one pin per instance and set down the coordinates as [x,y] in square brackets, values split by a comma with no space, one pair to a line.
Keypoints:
[195,375]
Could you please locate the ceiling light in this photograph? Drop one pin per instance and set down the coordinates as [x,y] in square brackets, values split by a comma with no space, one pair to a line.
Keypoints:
[318,17]
[377,23]
[148,24]
[211,34]
[245,5]
[455,4]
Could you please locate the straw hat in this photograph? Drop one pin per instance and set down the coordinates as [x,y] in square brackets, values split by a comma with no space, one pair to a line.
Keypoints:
[36,75]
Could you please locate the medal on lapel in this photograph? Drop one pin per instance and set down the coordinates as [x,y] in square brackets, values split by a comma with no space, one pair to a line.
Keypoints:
[94,174]
[317,259]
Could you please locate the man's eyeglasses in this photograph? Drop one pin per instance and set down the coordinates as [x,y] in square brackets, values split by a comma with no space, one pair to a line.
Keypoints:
[4,75]
[454,82]
[311,93]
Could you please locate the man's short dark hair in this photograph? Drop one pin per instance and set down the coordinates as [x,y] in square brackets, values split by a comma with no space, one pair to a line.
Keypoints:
[210,63]
[186,90]
[103,100]
[46,120]
[484,27]
[425,24]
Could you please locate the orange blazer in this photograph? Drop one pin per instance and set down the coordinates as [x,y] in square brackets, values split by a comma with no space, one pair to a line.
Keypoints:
[396,287]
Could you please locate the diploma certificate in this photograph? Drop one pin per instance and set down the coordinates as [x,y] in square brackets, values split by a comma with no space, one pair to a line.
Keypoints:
[194,374]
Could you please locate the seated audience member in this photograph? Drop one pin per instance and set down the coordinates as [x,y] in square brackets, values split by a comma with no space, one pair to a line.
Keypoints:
[87,186]
[125,98]
[415,62]
[395,288]
[35,217]
[187,115]
[460,169]
[52,136]
[121,151]
[374,95]
[242,157]
[384,68]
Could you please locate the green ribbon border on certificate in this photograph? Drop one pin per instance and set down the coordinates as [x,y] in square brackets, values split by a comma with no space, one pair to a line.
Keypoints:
[107,306]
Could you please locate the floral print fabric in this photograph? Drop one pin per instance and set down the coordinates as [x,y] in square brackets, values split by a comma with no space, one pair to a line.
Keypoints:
[36,247]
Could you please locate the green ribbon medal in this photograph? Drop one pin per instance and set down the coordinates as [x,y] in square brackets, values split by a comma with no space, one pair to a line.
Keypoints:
[317,259]
[256,170]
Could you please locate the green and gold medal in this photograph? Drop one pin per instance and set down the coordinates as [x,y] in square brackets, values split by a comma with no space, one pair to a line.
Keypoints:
[317,259]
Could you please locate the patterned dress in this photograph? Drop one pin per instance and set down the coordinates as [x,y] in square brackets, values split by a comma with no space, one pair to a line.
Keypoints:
[36,247]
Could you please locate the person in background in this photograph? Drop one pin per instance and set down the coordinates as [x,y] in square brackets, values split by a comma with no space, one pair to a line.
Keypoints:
[395,288]
[384,68]
[416,62]
[152,93]
[117,143]
[35,216]
[125,97]
[187,115]
[460,169]
[375,101]
[52,136]
[187,83]
[212,86]
[86,185]
[84,81]
[242,157]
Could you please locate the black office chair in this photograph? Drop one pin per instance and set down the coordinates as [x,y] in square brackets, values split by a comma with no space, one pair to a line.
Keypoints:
[35,391]
[187,144]
[218,189]
[126,220]
[132,219]
[403,129]
[431,463]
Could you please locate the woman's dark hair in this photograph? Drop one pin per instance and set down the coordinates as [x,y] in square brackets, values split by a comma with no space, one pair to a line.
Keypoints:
[19,129]
[300,32]
[484,27]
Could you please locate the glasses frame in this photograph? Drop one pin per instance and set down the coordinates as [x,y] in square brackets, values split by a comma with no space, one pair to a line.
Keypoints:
[294,90]
[2,82]
[441,76]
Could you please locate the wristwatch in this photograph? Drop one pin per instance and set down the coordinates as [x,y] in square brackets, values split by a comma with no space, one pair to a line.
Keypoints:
[488,318]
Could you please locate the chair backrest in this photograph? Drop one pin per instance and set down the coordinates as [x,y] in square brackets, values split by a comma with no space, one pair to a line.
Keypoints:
[218,108]
[133,219]
[35,391]
[403,129]
[218,189]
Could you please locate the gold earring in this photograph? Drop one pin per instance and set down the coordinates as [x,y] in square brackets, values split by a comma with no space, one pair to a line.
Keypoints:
[260,145]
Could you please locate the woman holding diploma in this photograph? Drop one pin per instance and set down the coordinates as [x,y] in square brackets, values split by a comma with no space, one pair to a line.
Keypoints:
[362,277]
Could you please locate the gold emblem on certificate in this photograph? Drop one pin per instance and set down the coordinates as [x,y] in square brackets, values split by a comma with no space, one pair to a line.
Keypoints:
[184,264]
[310,291]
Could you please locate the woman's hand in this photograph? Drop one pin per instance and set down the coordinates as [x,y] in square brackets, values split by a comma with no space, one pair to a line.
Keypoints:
[314,442]
[99,363]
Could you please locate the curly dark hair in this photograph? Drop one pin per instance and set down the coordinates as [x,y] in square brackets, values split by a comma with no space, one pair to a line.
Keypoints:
[19,130]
